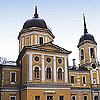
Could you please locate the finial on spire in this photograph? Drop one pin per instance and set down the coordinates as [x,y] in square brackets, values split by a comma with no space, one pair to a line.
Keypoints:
[85,28]
[36,14]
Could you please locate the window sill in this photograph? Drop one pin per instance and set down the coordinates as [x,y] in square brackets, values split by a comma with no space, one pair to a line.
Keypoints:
[12,82]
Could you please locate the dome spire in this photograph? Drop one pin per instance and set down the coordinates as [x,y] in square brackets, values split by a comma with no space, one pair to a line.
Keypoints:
[36,14]
[85,28]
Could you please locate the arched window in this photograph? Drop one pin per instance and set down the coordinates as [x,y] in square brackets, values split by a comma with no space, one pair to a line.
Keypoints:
[82,54]
[92,53]
[48,73]
[60,74]
[37,73]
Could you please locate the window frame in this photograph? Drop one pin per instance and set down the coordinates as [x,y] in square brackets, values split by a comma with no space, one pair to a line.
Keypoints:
[73,96]
[60,98]
[37,96]
[82,54]
[40,40]
[49,96]
[12,96]
[73,80]
[49,75]
[92,52]
[36,73]
[97,97]
[11,78]
[84,97]
[61,73]
[84,81]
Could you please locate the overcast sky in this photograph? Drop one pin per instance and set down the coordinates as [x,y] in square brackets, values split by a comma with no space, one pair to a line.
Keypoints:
[65,17]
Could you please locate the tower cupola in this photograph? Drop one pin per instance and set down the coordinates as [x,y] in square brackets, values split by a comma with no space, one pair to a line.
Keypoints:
[86,37]
[35,32]
[35,21]
[87,48]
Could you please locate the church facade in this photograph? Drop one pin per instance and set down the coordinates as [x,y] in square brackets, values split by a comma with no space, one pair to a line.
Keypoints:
[42,71]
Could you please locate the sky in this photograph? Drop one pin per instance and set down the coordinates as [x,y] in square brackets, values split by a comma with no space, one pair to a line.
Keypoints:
[64,17]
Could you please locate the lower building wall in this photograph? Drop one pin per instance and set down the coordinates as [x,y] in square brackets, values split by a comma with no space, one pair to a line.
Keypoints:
[79,94]
[30,94]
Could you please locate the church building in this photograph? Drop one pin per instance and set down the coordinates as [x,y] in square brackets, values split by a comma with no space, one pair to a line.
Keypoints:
[42,70]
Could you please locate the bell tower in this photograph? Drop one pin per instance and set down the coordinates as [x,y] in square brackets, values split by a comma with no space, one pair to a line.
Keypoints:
[87,49]
[34,32]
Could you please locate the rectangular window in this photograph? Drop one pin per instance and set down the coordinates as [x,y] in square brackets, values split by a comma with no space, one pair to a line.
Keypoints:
[84,80]
[82,54]
[41,40]
[92,53]
[13,77]
[49,97]
[37,97]
[61,97]
[96,98]
[72,79]
[13,98]
[85,97]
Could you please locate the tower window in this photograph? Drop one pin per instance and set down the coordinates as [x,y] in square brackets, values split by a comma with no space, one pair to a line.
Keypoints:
[40,40]
[60,74]
[82,54]
[37,73]
[48,73]
[72,79]
[13,77]
[92,54]
[84,80]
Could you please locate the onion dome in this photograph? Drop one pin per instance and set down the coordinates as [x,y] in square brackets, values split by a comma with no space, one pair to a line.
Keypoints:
[86,38]
[35,22]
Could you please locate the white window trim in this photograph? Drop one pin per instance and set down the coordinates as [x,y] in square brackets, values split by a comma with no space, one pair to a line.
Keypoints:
[35,67]
[10,77]
[61,68]
[48,67]
[12,96]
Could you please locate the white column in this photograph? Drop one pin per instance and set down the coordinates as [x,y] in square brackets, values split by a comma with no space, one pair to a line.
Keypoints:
[43,69]
[97,77]
[66,70]
[54,60]
[36,39]
[30,67]
[91,73]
